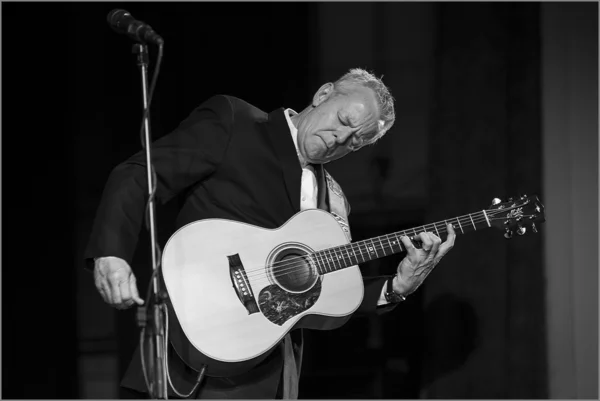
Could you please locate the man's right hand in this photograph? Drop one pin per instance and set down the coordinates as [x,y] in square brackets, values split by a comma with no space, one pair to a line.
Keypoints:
[116,282]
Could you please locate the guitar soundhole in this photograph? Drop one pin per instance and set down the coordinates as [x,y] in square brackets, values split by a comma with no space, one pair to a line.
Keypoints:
[293,271]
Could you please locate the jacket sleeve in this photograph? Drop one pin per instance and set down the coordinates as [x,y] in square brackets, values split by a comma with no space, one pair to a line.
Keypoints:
[181,158]
[373,286]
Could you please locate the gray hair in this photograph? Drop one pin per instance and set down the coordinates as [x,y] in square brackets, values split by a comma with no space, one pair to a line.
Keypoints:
[384,98]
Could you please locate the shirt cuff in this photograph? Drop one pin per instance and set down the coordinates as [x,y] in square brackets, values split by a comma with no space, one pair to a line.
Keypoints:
[382,300]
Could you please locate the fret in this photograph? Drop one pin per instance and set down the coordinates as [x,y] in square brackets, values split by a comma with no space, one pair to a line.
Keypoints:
[388,239]
[398,241]
[320,263]
[349,258]
[461,229]
[354,253]
[324,256]
[486,218]
[331,259]
[373,247]
[315,262]
[341,257]
[346,262]
[436,230]
[382,248]
[474,226]
[361,254]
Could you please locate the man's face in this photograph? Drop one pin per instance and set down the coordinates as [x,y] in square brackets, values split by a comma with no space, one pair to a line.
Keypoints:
[338,124]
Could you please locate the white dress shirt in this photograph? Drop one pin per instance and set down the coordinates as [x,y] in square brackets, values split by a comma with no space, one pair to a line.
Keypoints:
[308,183]
[308,186]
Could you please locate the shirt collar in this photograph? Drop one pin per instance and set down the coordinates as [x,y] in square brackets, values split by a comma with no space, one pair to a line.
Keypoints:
[288,113]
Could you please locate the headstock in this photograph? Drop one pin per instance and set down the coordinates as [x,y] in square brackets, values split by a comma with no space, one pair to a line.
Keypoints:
[519,214]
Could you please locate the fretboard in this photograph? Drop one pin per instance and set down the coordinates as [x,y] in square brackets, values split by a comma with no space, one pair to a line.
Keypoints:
[340,257]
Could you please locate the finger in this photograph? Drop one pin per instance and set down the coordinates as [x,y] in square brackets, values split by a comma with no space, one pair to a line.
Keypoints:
[99,284]
[411,251]
[102,292]
[134,291]
[408,245]
[126,298]
[113,282]
[426,240]
[449,243]
[451,235]
[105,292]
[435,243]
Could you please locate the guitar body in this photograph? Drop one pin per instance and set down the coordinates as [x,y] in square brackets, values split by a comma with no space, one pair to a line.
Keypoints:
[236,290]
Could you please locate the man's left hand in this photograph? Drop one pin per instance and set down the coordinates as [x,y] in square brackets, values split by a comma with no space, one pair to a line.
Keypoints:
[418,263]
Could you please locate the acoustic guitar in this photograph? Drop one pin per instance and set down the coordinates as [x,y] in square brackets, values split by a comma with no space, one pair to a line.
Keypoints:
[236,290]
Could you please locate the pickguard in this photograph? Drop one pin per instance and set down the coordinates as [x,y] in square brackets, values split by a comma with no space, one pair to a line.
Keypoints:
[279,305]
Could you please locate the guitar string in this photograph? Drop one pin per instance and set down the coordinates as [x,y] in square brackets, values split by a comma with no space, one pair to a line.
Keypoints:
[293,263]
[317,267]
[290,265]
[290,261]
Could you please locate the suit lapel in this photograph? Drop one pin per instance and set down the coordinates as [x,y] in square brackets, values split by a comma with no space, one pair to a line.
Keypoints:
[285,151]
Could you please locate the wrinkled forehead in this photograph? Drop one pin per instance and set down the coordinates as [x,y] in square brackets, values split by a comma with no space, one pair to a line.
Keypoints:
[363,112]
[361,103]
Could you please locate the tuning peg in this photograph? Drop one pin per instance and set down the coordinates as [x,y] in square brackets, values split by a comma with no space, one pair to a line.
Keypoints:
[521,230]
[495,201]
[523,196]
[534,228]
[508,233]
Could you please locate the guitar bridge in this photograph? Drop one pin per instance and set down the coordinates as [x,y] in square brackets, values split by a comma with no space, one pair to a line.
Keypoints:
[241,286]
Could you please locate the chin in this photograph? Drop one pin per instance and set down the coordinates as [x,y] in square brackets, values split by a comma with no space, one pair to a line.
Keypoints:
[316,154]
[319,161]
[316,157]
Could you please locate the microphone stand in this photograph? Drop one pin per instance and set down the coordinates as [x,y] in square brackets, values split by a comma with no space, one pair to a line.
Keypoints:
[158,386]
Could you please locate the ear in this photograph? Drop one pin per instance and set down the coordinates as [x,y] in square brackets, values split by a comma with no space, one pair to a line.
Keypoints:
[322,94]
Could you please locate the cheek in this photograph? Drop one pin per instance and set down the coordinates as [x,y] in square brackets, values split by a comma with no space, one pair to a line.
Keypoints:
[314,145]
[314,122]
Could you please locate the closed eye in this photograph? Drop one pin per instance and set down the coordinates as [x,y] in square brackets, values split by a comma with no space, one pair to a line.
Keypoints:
[355,142]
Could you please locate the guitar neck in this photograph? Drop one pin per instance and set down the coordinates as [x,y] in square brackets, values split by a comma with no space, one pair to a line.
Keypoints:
[340,257]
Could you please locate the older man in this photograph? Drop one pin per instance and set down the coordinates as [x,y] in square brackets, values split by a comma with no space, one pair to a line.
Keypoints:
[236,162]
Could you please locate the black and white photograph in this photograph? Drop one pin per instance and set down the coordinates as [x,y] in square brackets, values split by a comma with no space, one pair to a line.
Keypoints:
[300,200]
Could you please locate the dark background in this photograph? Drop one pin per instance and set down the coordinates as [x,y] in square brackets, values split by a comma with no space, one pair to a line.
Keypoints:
[467,78]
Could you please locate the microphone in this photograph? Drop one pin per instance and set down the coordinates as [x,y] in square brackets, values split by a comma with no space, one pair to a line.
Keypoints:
[122,22]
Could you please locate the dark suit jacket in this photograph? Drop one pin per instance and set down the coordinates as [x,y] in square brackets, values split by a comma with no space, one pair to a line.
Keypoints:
[233,161]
